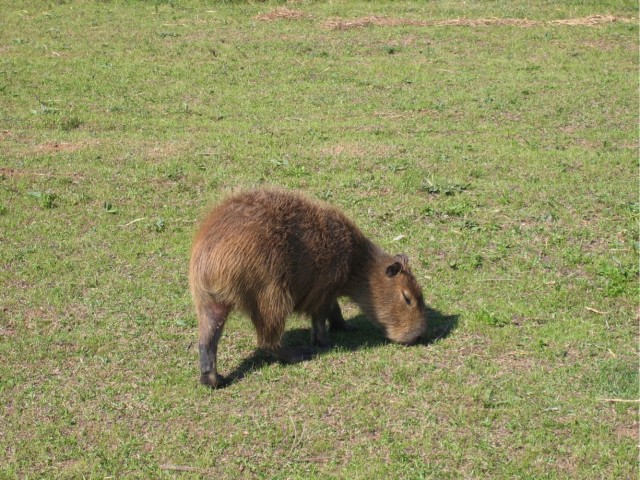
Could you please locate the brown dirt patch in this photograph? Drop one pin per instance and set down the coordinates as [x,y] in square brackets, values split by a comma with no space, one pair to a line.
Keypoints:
[10,172]
[629,431]
[599,44]
[161,151]
[350,150]
[7,332]
[15,172]
[61,147]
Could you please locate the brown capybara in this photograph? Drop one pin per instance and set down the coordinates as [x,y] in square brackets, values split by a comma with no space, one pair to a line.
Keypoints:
[269,253]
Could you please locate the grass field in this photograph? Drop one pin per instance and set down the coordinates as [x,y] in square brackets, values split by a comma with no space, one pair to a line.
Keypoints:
[496,143]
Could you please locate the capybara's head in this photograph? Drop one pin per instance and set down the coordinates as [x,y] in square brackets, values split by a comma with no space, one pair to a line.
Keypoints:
[398,304]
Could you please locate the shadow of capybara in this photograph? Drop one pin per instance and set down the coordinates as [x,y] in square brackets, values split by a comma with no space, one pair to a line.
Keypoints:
[269,253]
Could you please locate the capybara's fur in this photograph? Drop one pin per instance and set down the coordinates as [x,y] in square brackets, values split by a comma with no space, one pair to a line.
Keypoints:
[269,253]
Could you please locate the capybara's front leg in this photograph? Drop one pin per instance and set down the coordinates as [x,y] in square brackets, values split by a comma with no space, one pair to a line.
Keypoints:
[211,318]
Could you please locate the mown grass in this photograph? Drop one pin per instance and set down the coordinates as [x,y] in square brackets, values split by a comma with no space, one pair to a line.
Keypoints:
[502,160]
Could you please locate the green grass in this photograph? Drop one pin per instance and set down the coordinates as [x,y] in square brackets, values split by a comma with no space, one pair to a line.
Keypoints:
[502,160]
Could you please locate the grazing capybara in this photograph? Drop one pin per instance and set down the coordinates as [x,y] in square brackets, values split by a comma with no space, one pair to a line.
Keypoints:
[269,253]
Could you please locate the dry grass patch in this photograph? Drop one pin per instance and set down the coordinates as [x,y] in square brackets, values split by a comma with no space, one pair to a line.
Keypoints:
[591,21]
[282,13]
[358,150]
[379,21]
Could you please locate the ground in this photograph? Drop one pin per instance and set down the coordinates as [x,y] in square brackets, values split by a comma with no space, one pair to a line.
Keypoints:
[496,145]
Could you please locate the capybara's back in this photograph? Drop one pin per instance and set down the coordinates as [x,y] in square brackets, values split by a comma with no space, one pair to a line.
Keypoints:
[271,252]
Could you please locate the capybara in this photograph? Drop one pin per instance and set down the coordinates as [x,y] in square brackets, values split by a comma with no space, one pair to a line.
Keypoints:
[270,252]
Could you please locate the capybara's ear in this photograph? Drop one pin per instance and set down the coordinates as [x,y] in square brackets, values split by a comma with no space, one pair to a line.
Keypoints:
[402,259]
[394,269]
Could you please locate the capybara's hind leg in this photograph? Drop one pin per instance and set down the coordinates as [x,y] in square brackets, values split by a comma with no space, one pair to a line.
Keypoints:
[319,334]
[211,318]
[336,320]
[270,330]
[269,319]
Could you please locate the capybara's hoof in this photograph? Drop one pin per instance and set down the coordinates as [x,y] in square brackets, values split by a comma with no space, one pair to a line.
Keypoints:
[213,380]
[321,339]
[323,343]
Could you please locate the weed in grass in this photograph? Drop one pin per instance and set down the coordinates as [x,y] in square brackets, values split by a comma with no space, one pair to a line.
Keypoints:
[47,200]
[159,225]
[391,50]
[443,189]
[109,208]
[71,123]
[616,277]
[491,319]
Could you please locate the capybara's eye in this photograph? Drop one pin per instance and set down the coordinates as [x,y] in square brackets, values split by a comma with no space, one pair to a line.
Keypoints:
[407,298]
